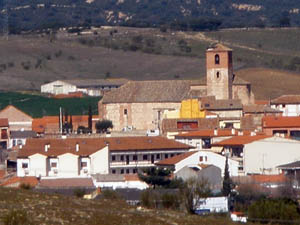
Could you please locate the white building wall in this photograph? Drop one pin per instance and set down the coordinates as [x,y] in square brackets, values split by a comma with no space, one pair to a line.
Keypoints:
[263,156]
[68,165]
[58,87]
[85,171]
[37,165]
[100,161]
[209,158]
[21,172]
[288,109]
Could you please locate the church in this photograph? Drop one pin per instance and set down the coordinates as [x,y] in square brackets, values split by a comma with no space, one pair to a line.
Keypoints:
[143,105]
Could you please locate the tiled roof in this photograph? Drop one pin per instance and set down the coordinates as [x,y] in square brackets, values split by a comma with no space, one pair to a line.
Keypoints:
[222,104]
[280,121]
[3,122]
[293,165]
[88,146]
[170,125]
[23,134]
[16,181]
[175,159]
[66,182]
[236,81]
[218,47]
[11,111]
[280,178]
[240,140]
[150,91]
[259,109]
[262,102]
[287,99]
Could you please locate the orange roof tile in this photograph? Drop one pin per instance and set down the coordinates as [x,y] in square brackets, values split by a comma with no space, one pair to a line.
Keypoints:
[269,178]
[175,159]
[3,122]
[262,102]
[32,181]
[88,146]
[287,99]
[280,121]
[240,140]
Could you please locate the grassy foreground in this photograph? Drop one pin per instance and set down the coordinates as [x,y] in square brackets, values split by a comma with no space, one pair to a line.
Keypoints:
[38,106]
[56,209]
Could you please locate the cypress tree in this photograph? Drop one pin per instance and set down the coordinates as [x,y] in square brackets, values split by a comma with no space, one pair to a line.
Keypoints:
[226,180]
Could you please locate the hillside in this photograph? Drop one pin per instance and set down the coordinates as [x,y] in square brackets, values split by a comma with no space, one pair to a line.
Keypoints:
[17,16]
[55,209]
[27,61]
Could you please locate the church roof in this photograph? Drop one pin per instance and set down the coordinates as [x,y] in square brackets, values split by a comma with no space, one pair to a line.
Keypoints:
[151,91]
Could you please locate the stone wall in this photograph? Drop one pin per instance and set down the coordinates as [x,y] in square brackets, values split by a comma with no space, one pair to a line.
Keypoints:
[244,93]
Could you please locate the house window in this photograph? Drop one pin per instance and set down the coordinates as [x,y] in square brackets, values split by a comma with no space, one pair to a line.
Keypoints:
[24,165]
[83,164]
[172,155]
[125,111]
[122,157]
[113,171]
[166,156]
[134,158]
[201,158]
[127,171]
[113,158]
[53,165]
[217,59]
[205,158]
[19,142]
[14,142]
[157,156]
[145,157]
[134,171]
[122,171]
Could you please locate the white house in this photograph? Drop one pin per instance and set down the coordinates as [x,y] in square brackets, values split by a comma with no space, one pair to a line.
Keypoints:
[261,154]
[63,158]
[200,157]
[95,87]
[288,104]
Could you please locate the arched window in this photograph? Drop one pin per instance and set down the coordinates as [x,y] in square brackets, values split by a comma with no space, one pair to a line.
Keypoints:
[218,74]
[217,59]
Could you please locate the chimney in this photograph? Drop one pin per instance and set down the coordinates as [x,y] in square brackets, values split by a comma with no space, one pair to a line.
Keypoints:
[77,147]
[47,146]
[215,131]
[253,133]
[240,133]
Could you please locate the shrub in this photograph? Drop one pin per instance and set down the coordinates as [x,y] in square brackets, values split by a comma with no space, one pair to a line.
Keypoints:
[149,199]
[170,201]
[79,193]
[16,217]
[25,186]
[110,194]
[103,125]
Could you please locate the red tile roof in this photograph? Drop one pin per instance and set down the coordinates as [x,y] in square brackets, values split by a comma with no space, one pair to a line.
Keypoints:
[88,146]
[3,122]
[17,181]
[131,177]
[280,121]
[175,159]
[240,140]
[262,102]
[66,182]
[280,178]
[287,99]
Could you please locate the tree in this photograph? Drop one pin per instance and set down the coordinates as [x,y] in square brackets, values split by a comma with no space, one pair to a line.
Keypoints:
[156,176]
[103,125]
[192,191]
[90,118]
[227,183]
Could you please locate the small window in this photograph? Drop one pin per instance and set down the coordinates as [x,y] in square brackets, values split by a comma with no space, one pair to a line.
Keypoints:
[172,155]
[134,171]
[113,171]
[24,165]
[113,158]
[53,165]
[122,158]
[125,111]
[166,156]
[127,171]
[122,171]
[206,104]
[157,156]
[217,59]
[83,164]
[218,75]
[19,142]
[201,158]
[145,157]
[134,158]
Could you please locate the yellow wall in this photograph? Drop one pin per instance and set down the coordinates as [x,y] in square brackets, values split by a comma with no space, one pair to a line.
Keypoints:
[190,109]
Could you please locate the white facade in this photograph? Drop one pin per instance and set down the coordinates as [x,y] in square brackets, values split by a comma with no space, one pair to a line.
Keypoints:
[287,109]
[65,165]
[58,87]
[209,158]
[200,143]
[263,156]
[213,205]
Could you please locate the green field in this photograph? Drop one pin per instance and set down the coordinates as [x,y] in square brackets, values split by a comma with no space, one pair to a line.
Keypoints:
[39,106]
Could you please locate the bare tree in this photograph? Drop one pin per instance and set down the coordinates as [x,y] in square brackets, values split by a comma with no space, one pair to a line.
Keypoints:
[192,191]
